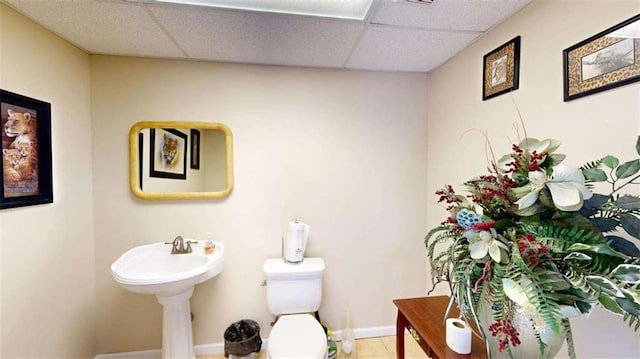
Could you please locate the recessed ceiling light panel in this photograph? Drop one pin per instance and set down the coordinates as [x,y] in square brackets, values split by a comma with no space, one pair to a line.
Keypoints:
[340,9]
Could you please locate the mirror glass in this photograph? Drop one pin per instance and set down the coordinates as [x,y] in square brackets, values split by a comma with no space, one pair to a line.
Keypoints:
[180,160]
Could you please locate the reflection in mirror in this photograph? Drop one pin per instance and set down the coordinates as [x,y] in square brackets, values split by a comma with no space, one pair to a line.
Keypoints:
[180,160]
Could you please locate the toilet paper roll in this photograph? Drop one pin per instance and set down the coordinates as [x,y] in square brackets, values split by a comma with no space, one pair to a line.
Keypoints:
[458,336]
[295,242]
[296,229]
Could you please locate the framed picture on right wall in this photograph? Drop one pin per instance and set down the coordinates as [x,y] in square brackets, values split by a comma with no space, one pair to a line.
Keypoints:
[604,61]
[501,69]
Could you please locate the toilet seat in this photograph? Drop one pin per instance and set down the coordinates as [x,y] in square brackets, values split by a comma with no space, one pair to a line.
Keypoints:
[297,336]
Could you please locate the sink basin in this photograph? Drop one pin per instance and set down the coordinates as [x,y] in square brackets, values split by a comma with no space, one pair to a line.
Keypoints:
[152,269]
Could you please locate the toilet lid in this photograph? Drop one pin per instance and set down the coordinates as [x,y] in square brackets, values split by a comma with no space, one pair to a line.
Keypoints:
[297,336]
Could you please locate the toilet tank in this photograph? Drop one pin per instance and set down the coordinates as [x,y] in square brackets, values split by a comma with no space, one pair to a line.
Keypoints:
[294,288]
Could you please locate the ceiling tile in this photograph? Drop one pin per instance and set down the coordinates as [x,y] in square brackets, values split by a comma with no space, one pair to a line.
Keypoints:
[399,36]
[246,37]
[464,15]
[392,49]
[117,28]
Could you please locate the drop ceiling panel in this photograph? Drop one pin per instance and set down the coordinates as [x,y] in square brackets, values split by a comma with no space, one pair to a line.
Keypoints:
[397,36]
[465,15]
[102,27]
[392,49]
[246,37]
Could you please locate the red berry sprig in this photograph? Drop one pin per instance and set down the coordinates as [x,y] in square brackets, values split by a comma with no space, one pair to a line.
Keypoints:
[505,332]
[448,195]
[531,250]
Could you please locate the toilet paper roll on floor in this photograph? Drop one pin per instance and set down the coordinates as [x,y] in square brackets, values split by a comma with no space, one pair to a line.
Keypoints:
[458,336]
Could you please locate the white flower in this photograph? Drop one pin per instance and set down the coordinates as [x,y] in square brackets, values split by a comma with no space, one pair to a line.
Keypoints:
[547,145]
[537,181]
[566,185]
[483,242]
[530,145]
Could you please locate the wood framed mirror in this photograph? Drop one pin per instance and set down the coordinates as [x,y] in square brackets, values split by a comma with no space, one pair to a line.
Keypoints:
[180,160]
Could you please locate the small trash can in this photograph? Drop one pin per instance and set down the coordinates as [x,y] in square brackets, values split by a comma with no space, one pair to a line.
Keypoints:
[242,338]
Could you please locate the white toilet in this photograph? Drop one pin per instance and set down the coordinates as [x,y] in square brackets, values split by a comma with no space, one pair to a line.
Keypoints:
[294,292]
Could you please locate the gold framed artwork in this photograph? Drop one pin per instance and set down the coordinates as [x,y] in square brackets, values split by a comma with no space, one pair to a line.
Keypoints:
[501,69]
[606,60]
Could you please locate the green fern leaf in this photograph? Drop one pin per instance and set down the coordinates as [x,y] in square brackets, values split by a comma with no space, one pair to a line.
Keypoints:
[568,335]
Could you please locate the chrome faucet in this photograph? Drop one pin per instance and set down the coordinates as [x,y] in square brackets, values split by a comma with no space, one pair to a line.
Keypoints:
[178,245]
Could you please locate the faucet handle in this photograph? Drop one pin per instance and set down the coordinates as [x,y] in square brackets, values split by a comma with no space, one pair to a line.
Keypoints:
[189,250]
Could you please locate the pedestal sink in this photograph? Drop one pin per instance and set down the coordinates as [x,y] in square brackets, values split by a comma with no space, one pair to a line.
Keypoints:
[152,269]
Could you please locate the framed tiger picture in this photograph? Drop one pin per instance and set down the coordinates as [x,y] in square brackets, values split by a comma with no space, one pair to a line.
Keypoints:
[168,150]
[26,151]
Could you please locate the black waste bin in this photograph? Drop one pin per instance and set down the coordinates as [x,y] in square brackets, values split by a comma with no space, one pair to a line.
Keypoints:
[242,338]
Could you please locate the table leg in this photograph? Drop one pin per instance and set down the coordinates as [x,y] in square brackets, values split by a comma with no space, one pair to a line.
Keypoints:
[401,322]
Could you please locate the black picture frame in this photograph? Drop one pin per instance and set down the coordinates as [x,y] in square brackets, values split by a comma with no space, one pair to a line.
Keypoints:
[140,161]
[501,69]
[168,165]
[27,173]
[607,60]
[195,149]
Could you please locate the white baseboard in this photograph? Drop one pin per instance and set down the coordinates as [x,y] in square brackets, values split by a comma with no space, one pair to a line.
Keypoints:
[218,348]
[373,332]
[143,354]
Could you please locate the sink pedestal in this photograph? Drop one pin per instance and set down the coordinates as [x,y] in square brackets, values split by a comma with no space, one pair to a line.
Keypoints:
[177,340]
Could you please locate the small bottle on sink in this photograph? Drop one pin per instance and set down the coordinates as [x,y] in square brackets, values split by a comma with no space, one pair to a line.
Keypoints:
[209,245]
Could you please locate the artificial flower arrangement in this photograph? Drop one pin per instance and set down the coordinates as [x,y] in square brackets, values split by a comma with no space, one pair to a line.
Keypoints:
[531,237]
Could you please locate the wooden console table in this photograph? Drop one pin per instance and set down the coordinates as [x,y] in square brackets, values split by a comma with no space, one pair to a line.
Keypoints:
[424,318]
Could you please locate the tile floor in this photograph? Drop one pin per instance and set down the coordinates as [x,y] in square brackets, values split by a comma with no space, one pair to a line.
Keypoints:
[370,348]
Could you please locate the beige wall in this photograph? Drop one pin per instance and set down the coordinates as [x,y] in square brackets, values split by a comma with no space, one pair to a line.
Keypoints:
[344,151]
[590,127]
[47,265]
[347,152]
